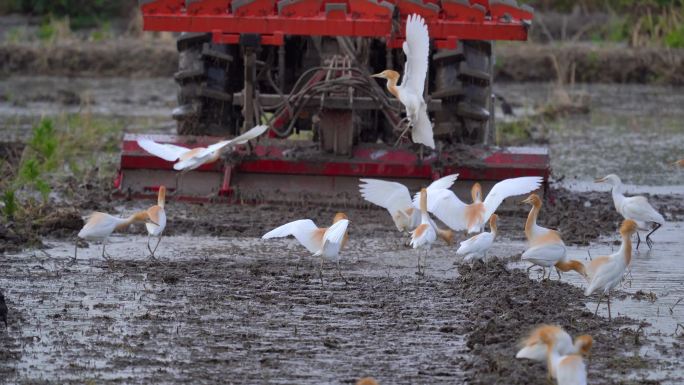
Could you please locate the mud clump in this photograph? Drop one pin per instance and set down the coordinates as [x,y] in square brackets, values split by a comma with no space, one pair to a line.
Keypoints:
[505,304]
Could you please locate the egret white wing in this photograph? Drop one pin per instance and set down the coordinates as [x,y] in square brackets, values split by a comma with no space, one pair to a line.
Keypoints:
[571,371]
[422,128]
[304,230]
[605,276]
[417,50]
[638,208]
[392,196]
[508,188]
[240,139]
[332,239]
[444,182]
[446,206]
[166,151]
[476,244]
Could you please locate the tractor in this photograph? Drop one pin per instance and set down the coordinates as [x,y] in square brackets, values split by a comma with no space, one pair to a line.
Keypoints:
[303,67]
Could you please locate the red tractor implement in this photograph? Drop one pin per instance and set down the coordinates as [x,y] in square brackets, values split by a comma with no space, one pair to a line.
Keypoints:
[303,67]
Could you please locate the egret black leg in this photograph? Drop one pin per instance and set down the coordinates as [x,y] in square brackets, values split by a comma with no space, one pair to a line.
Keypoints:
[598,304]
[339,272]
[610,318]
[649,242]
[157,245]
[638,240]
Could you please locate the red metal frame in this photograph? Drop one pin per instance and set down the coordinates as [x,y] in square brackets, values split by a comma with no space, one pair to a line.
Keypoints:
[447,20]
[371,161]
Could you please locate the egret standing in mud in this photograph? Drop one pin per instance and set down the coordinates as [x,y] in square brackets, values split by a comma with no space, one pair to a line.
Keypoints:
[101,225]
[446,206]
[424,235]
[476,247]
[568,369]
[322,241]
[546,247]
[395,198]
[636,208]
[190,159]
[410,92]
[535,349]
[605,272]
[158,215]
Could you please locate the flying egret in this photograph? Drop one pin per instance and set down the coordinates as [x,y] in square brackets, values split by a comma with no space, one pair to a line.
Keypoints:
[534,349]
[446,206]
[424,235]
[158,215]
[636,208]
[410,92]
[321,241]
[190,159]
[476,247]
[101,225]
[568,369]
[395,197]
[605,272]
[546,247]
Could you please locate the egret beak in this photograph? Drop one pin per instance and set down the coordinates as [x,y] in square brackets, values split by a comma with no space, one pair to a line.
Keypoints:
[380,75]
[600,180]
[526,200]
[152,222]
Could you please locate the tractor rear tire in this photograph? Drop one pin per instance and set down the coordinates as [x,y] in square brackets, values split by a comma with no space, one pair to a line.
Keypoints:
[205,94]
[463,82]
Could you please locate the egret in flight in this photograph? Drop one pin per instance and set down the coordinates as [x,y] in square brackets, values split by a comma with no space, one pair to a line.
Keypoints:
[636,208]
[410,92]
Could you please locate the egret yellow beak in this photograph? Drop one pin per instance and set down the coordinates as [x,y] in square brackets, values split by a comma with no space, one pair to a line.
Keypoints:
[380,75]
[152,222]
[600,180]
[526,200]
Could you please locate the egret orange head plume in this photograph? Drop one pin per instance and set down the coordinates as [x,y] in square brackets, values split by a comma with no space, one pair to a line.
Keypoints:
[536,334]
[161,196]
[584,342]
[476,192]
[339,217]
[423,200]
[533,199]
[679,163]
[628,227]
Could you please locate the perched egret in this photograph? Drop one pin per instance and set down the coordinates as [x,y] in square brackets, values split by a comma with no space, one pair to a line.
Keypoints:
[395,197]
[605,272]
[410,92]
[636,208]
[158,215]
[321,241]
[472,217]
[424,235]
[101,225]
[476,247]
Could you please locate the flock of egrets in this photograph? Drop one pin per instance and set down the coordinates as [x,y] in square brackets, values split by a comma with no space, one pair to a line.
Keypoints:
[411,215]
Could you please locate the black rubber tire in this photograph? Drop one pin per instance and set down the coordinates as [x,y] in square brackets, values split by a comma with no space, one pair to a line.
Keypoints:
[463,82]
[205,94]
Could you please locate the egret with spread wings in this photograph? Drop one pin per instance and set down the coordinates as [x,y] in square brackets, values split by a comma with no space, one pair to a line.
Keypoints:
[410,92]
[446,206]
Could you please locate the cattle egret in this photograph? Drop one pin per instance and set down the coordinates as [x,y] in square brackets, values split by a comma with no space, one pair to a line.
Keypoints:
[636,208]
[101,225]
[424,235]
[476,247]
[410,92]
[158,215]
[446,206]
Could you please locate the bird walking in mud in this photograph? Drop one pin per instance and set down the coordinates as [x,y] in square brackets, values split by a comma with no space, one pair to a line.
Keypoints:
[533,348]
[3,309]
[605,272]
[636,208]
[101,225]
[446,206]
[396,199]
[158,216]
[476,247]
[424,235]
[189,159]
[566,368]
[546,247]
[410,92]
[321,241]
